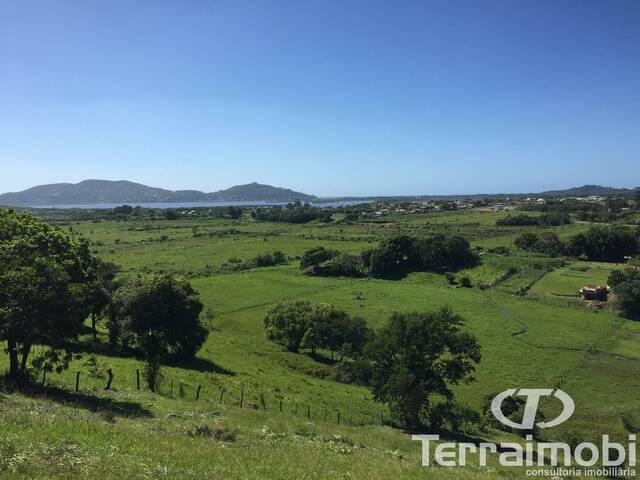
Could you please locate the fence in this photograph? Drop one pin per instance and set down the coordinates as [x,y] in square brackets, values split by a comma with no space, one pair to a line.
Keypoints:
[279,404]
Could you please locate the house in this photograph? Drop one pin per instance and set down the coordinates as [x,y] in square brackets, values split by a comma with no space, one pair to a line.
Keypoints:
[594,292]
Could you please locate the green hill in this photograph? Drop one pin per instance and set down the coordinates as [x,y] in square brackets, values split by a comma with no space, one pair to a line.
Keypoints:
[90,192]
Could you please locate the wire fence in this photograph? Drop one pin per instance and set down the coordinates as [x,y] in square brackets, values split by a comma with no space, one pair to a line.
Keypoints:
[245,398]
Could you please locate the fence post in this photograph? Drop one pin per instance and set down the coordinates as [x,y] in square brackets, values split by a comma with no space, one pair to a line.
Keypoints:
[109,380]
[77,381]
[241,397]
[280,405]
[198,392]
[308,411]
[221,394]
[138,378]
[263,402]
[338,418]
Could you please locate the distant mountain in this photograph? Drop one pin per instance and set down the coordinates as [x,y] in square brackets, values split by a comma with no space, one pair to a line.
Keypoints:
[258,192]
[106,191]
[588,190]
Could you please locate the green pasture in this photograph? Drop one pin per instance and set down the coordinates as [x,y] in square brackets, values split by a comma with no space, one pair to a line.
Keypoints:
[566,281]
[526,342]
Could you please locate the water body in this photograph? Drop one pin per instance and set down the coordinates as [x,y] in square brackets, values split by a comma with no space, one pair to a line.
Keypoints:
[182,205]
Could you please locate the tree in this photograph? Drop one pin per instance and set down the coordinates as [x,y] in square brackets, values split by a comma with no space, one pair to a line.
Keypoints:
[44,286]
[355,335]
[626,286]
[327,328]
[162,314]
[171,214]
[102,287]
[419,355]
[526,241]
[548,243]
[123,210]
[605,243]
[286,324]
[315,256]
[390,258]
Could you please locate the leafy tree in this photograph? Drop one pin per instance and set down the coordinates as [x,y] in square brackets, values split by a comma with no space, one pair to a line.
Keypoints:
[162,315]
[287,323]
[605,243]
[171,214]
[233,212]
[123,210]
[626,286]
[342,264]
[44,286]
[300,325]
[417,356]
[548,243]
[526,241]
[355,334]
[390,258]
[102,286]
[269,259]
[315,256]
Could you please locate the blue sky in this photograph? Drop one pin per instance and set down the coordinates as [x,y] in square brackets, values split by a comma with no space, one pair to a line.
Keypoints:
[327,97]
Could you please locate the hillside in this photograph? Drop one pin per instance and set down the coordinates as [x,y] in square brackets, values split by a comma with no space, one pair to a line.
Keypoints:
[293,431]
[588,190]
[258,192]
[105,191]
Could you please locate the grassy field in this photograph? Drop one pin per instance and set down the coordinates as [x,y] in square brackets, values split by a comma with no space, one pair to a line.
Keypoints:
[525,343]
[568,280]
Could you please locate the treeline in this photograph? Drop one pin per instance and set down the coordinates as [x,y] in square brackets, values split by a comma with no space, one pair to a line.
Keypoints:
[394,257]
[546,220]
[414,359]
[612,208]
[296,212]
[601,243]
[50,284]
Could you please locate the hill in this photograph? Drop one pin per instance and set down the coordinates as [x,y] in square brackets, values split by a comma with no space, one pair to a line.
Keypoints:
[258,192]
[105,191]
[588,190]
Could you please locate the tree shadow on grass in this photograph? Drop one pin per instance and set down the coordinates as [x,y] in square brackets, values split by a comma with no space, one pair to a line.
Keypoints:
[199,364]
[83,400]
[316,357]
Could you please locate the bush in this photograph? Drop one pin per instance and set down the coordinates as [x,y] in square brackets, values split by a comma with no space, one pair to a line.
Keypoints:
[316,256]
[626,286]
[548,243]
[453,416]
[465,282]
[269,259]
